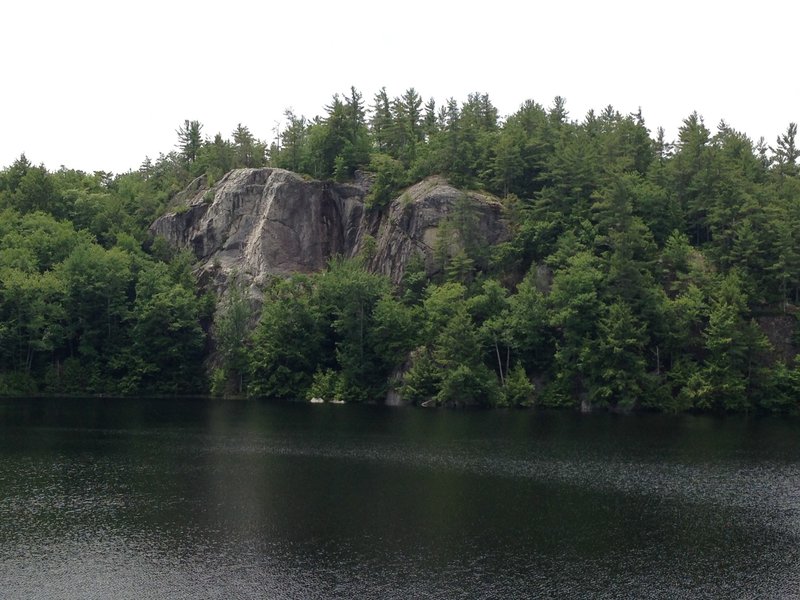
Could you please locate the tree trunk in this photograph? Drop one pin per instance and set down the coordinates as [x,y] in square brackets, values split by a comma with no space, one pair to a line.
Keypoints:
[499,363]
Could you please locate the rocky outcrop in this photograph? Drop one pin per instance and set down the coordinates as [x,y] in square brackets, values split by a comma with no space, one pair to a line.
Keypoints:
[413,225]
[267,222]
[262,222]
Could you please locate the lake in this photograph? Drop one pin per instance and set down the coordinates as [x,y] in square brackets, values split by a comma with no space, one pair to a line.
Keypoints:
[221,499]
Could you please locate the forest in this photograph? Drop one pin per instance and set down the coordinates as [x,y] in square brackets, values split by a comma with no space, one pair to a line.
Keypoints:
[642,273]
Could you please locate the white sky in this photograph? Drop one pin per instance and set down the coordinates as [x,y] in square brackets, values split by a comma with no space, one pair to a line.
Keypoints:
[99,85]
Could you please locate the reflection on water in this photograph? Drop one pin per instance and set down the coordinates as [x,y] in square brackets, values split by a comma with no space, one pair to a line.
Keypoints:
[203,499]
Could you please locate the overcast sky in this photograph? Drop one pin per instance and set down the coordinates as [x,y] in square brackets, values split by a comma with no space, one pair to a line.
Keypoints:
[99,85]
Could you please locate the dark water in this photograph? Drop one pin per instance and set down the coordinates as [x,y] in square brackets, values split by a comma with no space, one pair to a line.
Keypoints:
[199,499]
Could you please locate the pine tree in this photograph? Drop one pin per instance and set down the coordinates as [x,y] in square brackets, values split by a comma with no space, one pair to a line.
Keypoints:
[786,153]
[189,140]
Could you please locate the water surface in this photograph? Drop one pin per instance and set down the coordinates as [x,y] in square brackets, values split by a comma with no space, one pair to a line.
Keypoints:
[211,499]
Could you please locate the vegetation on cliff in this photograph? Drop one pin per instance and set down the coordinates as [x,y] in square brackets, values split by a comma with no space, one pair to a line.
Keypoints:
[637,275]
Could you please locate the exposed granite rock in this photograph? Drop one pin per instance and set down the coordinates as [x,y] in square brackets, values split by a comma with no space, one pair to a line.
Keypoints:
[412,225]
[266,222]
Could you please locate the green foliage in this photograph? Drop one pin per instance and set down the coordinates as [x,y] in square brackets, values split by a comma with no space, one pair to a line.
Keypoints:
[343,320]
[326,385]
[441,304]
[786,153]
[168,341]
[394,331]
[449,368]
[17,384]
[464,385]
[330,147]
[460,268]
[231,332]
[575,310]
[390,177]
[632,276]
[423,379]
[216,158]
[458,250]
[617,358]
[527,327]
[457,343]
[518,390]
[288,342]
[247,150]
[68,312]
[782,393]
[347,295]
[189,140]
[415,280]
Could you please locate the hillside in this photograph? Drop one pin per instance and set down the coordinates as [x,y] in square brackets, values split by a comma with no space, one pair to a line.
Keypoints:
[443,255]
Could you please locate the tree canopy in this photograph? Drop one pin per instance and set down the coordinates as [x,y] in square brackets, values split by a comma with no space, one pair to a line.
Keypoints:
[641,272]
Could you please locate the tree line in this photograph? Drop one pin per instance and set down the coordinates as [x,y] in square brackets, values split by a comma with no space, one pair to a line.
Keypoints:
[638,274]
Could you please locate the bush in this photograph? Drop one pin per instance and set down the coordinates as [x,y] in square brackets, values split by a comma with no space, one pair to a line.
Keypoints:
[466,385]
[17,384]
[323,385]
[389,178]
[518,390]
[422,379]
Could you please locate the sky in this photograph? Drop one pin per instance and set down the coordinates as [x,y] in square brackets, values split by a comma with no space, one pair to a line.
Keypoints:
[99,85]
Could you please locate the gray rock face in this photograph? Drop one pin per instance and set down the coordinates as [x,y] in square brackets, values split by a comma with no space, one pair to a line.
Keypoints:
[414,224]
[267,222]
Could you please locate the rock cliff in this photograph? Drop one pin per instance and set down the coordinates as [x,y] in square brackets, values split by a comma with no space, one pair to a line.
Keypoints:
[267,222]
[413,223]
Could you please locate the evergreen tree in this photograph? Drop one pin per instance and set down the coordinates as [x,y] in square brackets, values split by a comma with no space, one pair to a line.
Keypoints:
[381,122]
[189,139]
[247,150]
[786,153]
[288,344]
[693,177]
[231,332]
